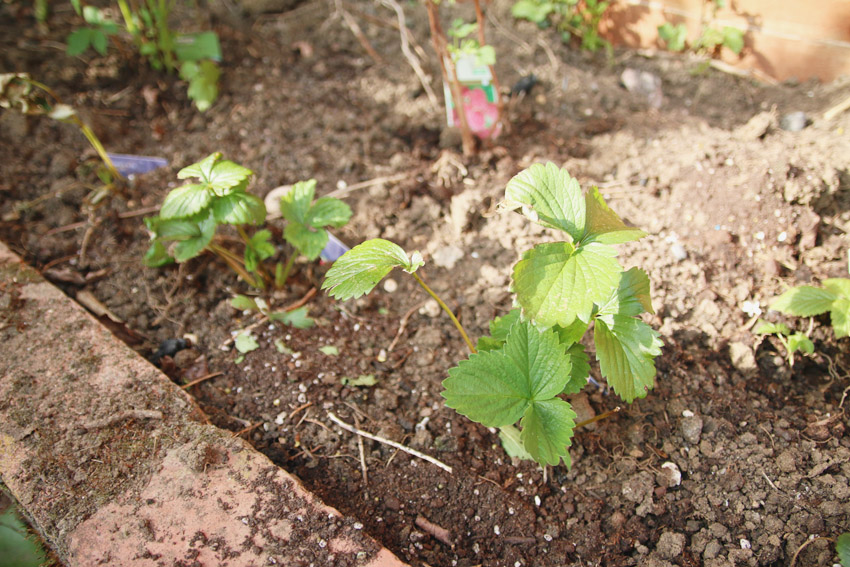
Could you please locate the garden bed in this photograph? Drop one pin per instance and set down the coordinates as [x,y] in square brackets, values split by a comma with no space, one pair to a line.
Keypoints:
[735,207]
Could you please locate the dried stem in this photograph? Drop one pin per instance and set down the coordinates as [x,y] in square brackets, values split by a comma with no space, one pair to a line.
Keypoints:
[404,33]
[399,446]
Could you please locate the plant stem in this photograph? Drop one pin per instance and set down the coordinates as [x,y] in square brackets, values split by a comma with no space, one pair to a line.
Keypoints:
[127,14]
[235,264]
[597,418]
[448,312]
[87,132]
[280,281]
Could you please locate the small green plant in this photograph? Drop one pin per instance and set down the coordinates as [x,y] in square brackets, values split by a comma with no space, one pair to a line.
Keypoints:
[191,214]
[463,45]
[791,342]
[809,301]
[572,18]
[296,318]
[193,56]
[710,40]
[96,32]
[533,354]
[842,548]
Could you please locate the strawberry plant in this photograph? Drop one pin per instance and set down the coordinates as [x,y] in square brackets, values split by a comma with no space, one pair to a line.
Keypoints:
[533,354]
[191,214]
[809,301]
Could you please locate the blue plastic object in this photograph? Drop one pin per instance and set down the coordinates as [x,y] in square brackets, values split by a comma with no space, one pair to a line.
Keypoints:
[134,165]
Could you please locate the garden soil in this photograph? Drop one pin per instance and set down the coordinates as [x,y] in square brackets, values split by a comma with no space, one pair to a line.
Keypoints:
[733,458]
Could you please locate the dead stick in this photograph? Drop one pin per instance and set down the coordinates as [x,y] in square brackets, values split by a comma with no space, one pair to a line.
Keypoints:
[402,326]
[411,58]
[363,468]
[438,532]
[837,109]
[369,183]
[408,450]
[247,429]
[201,379]
[358,33]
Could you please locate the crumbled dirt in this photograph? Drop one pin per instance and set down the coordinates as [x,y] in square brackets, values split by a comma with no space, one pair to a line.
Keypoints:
[736,208]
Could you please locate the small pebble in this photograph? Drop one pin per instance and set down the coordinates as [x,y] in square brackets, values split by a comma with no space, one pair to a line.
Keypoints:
[794,121]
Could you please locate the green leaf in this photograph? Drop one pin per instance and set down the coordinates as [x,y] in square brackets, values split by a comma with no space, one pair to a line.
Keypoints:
[674,36]
[512,443]
[295,203]
[360,269]
[200,170]
[308,242]
[203,83]
[556,283]
[626,349]
[99,41]
[499,329]
[185,201]
[840,317]
[191,247]
[297,318]
[245,342]
[571,334]
[604,225]
[532,10]
[800,342]
[733,38]
[198,46]
[329,350]
[327,211]
[804,301]
[261,242]
[282,348]
[549,196]
[485,55]
[547,428]
[765,328]
[838,286]
[227,174]
[157,256]
[842,548]
[579,369]
[367,380]
[79,41]
[244,303]
[239,208]
[631,296]
[497,388]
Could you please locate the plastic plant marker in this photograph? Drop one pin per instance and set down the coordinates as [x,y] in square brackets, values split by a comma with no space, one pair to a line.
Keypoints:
[128,164]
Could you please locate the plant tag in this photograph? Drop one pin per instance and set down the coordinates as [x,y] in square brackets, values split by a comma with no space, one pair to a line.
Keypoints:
[479,98]
[134,165]
[333,249]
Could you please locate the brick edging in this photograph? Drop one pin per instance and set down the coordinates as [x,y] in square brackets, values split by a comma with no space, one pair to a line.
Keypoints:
[110,461]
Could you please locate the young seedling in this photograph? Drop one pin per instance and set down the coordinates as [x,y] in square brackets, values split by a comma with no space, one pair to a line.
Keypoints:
[306,219]
[191,214]
[533,354]
[791,342]
[710,40]
[296,318]
[192,55]
[809,301]
[572,18]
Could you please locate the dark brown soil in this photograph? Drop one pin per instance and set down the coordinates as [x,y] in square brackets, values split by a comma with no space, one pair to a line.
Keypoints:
[736,209]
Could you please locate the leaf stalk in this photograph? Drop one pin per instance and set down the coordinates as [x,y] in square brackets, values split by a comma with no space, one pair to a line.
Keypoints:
[448,311]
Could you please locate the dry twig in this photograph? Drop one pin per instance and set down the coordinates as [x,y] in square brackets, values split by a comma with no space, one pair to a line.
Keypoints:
[435,530]
[408,450]
[201,379]
[404,34]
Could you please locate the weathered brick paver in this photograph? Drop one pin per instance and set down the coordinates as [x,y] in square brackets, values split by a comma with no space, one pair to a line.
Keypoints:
[113,465]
